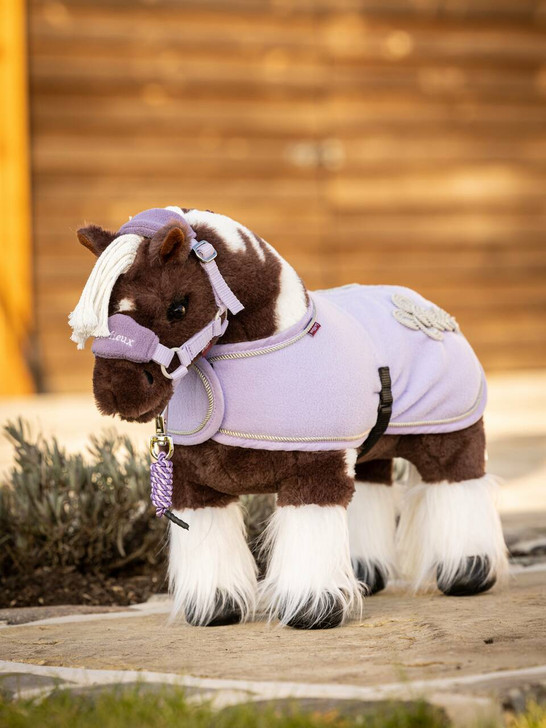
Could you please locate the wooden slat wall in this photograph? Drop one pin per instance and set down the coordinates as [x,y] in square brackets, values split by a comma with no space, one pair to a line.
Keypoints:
[381,142]
[439,126]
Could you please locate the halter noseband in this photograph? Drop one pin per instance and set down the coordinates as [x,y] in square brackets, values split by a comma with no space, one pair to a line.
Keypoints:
[129,340]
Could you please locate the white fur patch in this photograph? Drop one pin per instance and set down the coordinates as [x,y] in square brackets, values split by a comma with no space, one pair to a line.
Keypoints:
[372,523]
[253,241]
[175,208]
[350,457]
[229,230]
[309,559]
[126,304]
[441,524]
[211,559]
[291,304]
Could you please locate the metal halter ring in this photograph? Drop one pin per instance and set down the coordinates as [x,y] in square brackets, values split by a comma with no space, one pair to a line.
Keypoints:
[175,350]
[159,441]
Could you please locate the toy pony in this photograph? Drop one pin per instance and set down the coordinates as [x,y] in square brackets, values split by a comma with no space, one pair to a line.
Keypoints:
[267,387]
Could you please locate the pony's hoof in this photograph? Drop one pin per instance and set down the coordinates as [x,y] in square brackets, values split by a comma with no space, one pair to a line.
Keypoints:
[327,615]
[226,612]
[470,579]
[371,577]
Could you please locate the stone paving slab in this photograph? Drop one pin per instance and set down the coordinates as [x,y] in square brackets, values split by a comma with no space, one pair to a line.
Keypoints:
[158,604]
[18,684]
[401,638]
[23,615]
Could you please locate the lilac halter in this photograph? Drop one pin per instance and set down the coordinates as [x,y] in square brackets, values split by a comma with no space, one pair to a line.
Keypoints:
[129,340]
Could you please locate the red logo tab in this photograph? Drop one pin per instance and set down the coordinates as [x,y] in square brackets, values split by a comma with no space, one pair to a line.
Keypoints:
[314,328]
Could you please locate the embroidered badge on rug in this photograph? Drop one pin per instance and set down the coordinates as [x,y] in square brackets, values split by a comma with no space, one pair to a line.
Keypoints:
[431,321]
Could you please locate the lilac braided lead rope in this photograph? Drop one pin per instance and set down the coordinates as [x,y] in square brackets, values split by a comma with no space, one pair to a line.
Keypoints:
[161,482]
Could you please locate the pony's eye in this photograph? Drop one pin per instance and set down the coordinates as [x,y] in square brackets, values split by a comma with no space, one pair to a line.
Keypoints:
[177,310]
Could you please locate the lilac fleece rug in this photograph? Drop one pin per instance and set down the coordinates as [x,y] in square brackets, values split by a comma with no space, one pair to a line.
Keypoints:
[316,387]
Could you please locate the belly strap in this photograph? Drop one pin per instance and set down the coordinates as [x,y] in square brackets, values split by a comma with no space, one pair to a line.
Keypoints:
[384,412]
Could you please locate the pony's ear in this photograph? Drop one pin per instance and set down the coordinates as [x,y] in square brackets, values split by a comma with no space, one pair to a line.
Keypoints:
[169,243]
[95,239]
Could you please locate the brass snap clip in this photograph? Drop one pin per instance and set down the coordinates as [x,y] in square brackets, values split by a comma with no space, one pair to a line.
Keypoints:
[161,440]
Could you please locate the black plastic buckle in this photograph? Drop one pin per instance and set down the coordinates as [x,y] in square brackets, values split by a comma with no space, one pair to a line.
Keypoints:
[384,412]
[385,395]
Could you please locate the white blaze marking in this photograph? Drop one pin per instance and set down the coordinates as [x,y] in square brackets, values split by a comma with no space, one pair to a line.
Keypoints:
[126,304]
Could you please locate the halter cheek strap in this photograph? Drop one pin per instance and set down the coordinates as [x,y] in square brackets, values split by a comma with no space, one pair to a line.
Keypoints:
[225,298]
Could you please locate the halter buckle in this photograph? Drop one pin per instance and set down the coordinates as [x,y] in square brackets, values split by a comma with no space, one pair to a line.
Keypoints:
[203,257]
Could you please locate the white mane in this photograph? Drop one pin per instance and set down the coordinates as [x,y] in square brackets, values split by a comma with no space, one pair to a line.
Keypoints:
[90,317]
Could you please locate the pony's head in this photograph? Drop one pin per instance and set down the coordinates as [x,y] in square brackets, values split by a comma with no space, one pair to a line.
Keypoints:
[166,306]
[156,300]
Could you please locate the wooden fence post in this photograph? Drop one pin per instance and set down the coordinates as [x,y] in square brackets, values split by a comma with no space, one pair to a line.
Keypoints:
[15,270]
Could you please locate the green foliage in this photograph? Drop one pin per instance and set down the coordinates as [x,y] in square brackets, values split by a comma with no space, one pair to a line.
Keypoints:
[534,717]
[167,707]
[94,514]
[58,510]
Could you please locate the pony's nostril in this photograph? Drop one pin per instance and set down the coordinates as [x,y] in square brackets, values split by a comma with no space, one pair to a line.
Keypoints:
[149,376]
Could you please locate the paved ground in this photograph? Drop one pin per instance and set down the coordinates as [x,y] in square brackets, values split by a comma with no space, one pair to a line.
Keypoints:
[467,656]
[458,652]
[400,638]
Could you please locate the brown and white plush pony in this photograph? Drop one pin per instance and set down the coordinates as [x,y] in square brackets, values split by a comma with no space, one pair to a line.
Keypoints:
[290,385]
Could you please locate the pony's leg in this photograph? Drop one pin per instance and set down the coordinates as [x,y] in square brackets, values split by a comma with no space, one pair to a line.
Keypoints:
[449,527]
[372,522]
[212,574]
[309,582]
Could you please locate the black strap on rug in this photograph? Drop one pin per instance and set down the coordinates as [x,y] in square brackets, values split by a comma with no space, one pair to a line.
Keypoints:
[384,412]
